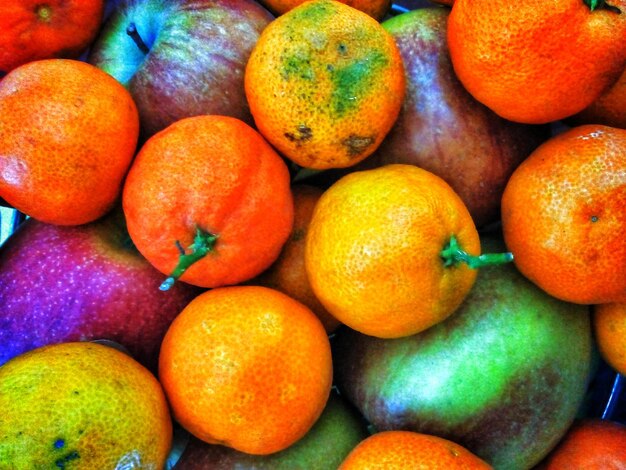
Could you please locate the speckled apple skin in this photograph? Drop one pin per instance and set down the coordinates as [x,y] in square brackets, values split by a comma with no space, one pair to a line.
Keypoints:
[83,282]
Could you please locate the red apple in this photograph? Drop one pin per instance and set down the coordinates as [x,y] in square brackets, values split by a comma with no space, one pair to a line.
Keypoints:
[82,282]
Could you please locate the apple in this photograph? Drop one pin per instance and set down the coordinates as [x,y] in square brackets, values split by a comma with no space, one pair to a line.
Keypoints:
[83,282]
[181,58]
[504,376]
[443,129]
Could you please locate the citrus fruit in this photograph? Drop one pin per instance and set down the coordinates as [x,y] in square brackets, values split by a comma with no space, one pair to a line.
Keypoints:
[386,247]
[609,324]
[68,133]
[396,450]
[534,62]
[325,83]
[590,444]
[564,215]
[328,442]
[246,367]
[288,273]
[81,406]
[33,30]
[608,109]
[208,200]
[375,8]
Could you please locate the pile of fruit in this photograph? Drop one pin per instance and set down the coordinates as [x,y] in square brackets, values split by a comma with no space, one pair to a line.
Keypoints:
[312,234]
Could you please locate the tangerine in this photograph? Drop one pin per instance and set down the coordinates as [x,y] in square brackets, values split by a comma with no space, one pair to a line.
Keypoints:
[375,8]
[325,83]
[81,405]
[590,444]
[534,62]
[609,109]
[68,133]
[208,200]
[288,273]
[407,450]
[609,324]
[33,30]
[247,367]
[564,215]
[389,250]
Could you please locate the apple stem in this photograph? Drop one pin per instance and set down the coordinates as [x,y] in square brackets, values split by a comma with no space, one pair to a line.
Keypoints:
[131,30]
[203,244]
[453,254]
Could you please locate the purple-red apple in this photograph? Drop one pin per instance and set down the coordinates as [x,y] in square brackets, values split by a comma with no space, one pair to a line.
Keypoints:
[83,282]
[441,128]
[181,58]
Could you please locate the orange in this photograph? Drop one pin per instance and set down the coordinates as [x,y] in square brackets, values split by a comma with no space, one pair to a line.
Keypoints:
[325,83]
[81,406]
[375,8]
[590,444]
[388,250]
[68,133]
[208,200]
[534,62]
[564,215]
[246,367]
[288,273]
[33,30]
[406,450]
[609,108]
[609,323]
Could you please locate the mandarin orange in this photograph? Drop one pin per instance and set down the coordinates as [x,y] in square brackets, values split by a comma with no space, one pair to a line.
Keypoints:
[375,8]
[609,324]
[564,215]
[288,273]
[208,200]
[406,450]
[68,133]
[247,367]
[537,62]
[84,406]
[325,83]
[590,444]
[34,29]
[389,250]
[609,109]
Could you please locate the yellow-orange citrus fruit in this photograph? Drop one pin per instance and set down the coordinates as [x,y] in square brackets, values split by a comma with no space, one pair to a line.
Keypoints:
[609,323]
[325,83]
[609,109]
[84,406]
[288,273]
[406,450]
[34,29]
[382,250]
[208,200]
[375,8]
[564,215]
[68,133]
[536,62]
[247,367]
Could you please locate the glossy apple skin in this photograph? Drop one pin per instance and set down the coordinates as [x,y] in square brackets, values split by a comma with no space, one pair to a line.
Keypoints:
[441,128]
[504,376]
[198,50]
[83,282]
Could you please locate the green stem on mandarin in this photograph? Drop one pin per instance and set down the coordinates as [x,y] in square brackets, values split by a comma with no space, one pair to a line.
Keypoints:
[203,244]
[600,4]
[131,30]
[452,254]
